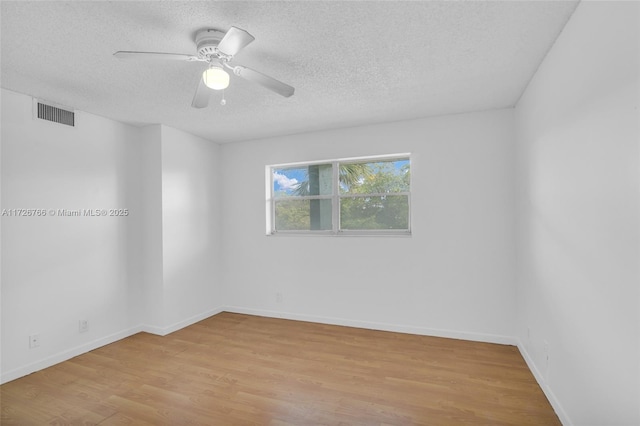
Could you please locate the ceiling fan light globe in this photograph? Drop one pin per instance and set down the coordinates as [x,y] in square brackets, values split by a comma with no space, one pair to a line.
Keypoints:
[216,78]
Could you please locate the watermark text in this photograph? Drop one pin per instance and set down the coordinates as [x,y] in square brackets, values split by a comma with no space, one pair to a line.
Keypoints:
[64,212]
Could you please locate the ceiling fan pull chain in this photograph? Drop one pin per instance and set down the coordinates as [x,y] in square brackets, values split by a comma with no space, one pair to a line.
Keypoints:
[223,102]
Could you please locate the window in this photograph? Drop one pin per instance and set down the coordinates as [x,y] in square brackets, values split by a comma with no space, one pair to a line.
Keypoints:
[353,196]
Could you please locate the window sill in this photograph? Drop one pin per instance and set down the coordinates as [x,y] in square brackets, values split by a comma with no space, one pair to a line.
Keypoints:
[401,234]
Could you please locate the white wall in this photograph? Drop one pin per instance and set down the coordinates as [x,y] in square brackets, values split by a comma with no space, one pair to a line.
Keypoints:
[453,277]
[58,270]
[191,224]
[578,218]
[156,269]
[149,244]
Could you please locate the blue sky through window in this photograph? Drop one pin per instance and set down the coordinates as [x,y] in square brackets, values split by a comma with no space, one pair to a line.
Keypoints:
[285,180]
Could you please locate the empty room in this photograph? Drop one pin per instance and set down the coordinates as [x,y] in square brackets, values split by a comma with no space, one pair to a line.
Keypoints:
[320,213]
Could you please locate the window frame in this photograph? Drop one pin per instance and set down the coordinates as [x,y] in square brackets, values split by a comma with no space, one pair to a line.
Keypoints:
[336,196]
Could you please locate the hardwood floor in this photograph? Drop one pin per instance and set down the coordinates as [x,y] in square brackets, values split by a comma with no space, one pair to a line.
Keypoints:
[234,369]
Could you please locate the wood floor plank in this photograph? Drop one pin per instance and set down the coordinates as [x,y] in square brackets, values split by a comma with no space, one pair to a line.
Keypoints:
[234,369]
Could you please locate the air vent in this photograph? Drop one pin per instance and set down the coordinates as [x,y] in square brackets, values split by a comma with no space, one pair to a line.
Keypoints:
[55,114]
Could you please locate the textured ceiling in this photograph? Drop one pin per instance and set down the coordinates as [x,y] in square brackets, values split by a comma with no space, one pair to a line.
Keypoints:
[351,63]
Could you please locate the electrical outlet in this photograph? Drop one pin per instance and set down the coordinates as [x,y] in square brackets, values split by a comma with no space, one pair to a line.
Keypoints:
[83,326]
[279,297]
[34,341]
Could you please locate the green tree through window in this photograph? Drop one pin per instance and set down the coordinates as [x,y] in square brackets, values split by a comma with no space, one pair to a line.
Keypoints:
[368,195]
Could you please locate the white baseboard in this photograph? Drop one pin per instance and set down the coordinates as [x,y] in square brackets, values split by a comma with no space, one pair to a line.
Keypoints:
[562,415]
[95,344]
[398,328]
[66,355]
[163,331]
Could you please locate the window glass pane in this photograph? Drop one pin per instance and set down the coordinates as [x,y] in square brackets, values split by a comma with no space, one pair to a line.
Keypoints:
[303,181]
[370,194]
[379,177]
[302,215]
[368,212]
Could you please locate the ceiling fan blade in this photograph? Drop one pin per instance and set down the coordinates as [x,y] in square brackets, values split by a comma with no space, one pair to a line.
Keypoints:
[201,98]
[264,80]
[234,41]
[127,54]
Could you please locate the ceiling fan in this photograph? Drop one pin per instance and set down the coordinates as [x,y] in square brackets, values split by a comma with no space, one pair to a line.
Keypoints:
[217,49]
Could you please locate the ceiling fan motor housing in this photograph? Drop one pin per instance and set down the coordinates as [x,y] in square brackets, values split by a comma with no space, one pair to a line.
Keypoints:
[207,41]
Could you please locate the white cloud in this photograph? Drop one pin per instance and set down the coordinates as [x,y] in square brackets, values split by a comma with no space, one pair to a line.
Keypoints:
[284,182]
